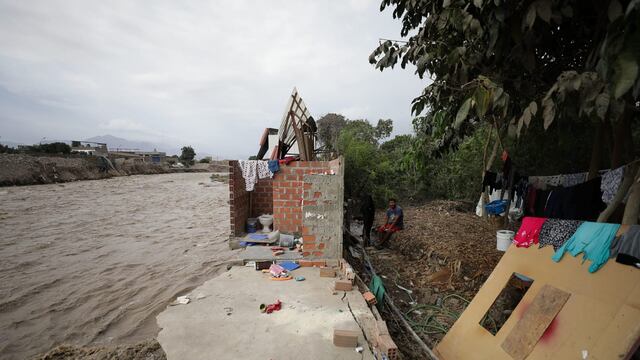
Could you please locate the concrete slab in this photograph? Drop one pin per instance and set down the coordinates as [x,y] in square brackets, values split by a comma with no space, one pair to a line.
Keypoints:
[227,324]
[263,253]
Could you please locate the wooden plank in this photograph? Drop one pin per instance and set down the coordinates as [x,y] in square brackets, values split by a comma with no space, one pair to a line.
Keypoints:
[528,330]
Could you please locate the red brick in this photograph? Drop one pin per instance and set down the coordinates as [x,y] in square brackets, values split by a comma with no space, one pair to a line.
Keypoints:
[306,253]
[308,246]
[321,246]
[308,239]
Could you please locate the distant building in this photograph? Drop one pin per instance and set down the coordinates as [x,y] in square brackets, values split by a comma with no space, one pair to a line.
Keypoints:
[89,148]
[155,157]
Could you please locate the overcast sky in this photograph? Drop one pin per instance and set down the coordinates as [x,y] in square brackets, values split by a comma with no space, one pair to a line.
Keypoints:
[212,74]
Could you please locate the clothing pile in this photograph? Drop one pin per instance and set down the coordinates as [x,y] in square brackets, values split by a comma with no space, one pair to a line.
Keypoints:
[596,241]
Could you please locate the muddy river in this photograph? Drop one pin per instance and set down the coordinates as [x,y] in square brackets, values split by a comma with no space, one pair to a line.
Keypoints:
[93,262]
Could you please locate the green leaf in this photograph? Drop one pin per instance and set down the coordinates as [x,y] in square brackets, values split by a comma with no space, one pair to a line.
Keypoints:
[463,111]
[549,112]
[543,8]
[482,98]
[602,104]
[530,18]
[446,3]
[625,71]
[477,3]
[533,109]
[615,10]
[526,117]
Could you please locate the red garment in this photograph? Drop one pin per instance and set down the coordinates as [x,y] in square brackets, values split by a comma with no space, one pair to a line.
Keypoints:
[529,232]
[388,228]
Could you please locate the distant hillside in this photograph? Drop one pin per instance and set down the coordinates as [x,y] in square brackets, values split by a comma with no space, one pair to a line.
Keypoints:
[114,142]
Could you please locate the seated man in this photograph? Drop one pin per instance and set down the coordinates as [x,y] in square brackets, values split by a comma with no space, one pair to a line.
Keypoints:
[393,222]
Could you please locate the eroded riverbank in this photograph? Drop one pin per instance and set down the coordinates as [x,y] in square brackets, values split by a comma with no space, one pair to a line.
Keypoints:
[93,262]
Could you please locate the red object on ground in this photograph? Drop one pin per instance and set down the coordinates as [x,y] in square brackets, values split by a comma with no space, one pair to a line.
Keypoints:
[276,306]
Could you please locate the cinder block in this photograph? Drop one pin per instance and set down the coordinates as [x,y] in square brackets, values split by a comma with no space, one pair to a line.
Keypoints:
[388,347]
[345,338]
[369,298]
[327,272]
[311,263]
[343,285]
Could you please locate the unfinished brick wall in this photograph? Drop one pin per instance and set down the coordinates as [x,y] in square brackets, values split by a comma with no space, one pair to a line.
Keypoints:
[288,192]
[322,213]
[238,200]
[244,204]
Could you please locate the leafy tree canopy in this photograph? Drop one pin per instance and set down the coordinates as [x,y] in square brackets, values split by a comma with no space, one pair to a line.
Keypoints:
[187,156]
[511,63]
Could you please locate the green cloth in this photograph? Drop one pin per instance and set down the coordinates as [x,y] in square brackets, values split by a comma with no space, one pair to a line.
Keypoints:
[377,288]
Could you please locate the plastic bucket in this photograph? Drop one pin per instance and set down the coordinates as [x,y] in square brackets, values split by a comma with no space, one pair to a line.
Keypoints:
[252,225]
[504,239]
[286,240]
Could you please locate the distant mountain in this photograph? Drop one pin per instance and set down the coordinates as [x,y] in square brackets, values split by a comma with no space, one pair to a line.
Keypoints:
[114,142]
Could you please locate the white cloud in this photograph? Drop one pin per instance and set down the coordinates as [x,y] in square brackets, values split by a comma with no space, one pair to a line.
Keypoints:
[209,73]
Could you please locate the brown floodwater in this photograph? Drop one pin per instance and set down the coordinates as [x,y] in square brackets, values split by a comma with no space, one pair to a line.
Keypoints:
[93,262]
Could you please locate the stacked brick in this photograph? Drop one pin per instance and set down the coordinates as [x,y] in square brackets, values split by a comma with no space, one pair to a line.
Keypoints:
[288,190]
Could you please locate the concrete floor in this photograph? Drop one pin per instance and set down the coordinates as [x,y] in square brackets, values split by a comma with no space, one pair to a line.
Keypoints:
[223,320]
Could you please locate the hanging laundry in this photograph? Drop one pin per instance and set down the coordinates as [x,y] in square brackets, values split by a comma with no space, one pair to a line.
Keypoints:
[252,170]
[489,180]
[556,232]
[574,179]
[583,201]
[610,183]
[593,240]
[274,166]
[626,248]
[529,231]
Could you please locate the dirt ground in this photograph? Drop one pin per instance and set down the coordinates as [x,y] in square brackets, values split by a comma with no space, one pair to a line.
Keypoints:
[146,350]
[441,259]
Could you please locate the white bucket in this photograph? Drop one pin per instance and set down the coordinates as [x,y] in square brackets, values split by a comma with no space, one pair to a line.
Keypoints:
[503,239]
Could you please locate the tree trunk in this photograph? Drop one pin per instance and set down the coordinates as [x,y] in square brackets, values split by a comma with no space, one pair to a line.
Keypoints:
[627,181]
[596,152]
[632,209]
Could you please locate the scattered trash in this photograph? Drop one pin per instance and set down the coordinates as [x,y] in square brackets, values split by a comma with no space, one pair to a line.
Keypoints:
[359,349]
[278,252]
[228,310]
[181,300]
[585,354]
[200,296]
[300,278]
[289,265]
[271,307]
[277,270]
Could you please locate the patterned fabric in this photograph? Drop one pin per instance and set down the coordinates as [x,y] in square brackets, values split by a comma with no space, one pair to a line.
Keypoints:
[555,232]
[610,182]
[252,170]
[591,239]
[529,231]
[574,179]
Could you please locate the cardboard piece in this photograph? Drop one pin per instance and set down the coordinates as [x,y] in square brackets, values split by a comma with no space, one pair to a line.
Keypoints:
[601,316]
[526,333]
[345,338]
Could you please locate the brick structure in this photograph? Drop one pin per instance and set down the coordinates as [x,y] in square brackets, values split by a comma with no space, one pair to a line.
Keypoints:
[244,204]
[305,198]
[288,191]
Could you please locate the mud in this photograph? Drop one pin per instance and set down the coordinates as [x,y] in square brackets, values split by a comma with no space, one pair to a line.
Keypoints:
[93,262]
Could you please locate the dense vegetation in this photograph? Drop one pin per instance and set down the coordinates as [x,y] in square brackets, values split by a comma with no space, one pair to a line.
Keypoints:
[553,82]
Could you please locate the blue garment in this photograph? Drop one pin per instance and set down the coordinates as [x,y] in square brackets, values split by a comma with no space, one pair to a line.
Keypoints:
[393,213]
[592,239]
[274,166]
